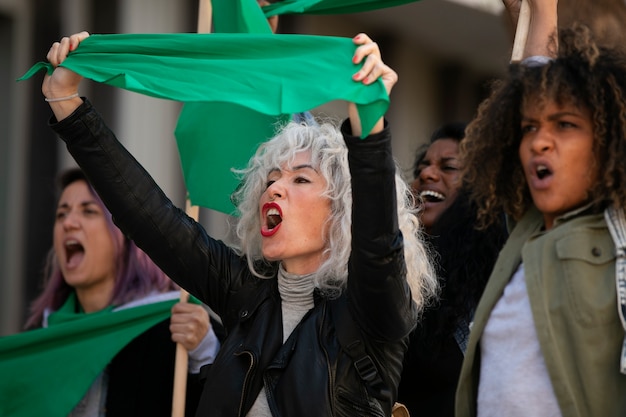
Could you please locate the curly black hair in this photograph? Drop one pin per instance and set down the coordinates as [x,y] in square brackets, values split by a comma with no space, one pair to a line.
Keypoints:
[583,74]
[465,256]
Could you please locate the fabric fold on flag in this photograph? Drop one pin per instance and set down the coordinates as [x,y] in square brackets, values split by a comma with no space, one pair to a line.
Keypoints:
[329,6]
[239,16]
[45,372]
[288,74]
[214,138]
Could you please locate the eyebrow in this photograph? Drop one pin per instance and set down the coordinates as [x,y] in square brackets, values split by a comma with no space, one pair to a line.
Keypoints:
[304,166]
[565,113]
[296,168]
[82,204]
[443,159]
[555,116]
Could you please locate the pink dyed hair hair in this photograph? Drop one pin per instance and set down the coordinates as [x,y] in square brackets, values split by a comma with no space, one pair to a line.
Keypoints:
[137,275]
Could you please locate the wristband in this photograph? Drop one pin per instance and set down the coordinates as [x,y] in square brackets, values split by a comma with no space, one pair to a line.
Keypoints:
[52,100]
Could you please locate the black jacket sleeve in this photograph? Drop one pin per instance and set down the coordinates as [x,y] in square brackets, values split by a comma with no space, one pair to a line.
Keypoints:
[378,292]
[176,243]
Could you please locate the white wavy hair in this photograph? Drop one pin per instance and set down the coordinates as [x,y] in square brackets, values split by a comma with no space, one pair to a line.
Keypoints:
[329,155]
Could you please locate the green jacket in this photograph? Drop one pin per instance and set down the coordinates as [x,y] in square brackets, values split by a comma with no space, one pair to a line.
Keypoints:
[570,278]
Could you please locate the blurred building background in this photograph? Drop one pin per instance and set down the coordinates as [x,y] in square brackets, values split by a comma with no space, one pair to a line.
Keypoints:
[445,51]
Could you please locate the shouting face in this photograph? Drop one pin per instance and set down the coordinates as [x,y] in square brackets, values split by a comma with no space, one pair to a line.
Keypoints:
[294,216]
[438,179]
[84,244]
[556,152]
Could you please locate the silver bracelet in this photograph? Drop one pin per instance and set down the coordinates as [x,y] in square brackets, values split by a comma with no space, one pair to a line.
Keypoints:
[52,100]
[535,61]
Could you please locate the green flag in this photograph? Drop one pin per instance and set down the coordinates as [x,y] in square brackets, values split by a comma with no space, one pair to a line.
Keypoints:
[227,68]
[306,72]
[329,6]
[215,137]
[45,372]
[239,16]
[211,146]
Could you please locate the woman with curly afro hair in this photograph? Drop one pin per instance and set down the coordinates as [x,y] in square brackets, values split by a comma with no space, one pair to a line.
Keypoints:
[549,149]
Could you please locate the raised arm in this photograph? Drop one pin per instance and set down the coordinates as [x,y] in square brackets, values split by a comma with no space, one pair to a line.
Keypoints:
[372,69]
[175,242]
[542,32]
[61,87]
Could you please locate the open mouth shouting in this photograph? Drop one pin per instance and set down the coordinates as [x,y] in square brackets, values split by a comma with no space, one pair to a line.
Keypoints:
[272,218]
[542,171]
[430,196]
[541,174]
[74,253]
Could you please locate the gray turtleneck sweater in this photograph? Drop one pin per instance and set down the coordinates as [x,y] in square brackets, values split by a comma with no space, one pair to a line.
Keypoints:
[296,293]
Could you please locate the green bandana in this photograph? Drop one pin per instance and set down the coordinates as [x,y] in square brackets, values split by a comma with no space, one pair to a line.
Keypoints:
[71,310]
[329,6]
[281,78]
[45,372]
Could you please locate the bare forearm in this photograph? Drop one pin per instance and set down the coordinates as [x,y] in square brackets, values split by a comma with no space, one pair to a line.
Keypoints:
[355,122]
[542,34]
[64,108]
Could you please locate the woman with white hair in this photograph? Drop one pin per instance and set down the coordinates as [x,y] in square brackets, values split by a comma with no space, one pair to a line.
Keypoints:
[327,233]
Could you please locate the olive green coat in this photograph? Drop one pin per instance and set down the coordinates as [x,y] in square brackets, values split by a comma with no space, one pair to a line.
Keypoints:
[570,279]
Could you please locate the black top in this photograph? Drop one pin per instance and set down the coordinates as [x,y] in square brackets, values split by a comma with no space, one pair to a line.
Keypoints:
[141,377]
[464,259]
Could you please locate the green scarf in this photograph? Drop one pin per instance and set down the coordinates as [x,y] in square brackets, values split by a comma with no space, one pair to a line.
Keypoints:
[237,88]
[329,6]
[214,137]
[72,310]
[280,78]
[45,372]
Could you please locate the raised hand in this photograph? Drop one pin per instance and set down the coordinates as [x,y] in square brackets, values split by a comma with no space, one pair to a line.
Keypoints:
[372,69]
[61,87]
[189,324]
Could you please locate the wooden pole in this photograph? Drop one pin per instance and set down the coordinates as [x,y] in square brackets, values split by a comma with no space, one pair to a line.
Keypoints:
[180,373]
[521,33]
[205,14]
[182,358]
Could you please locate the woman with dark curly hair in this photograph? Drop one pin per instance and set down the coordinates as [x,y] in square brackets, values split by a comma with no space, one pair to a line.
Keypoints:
[548,147]
[464,257]
[437,172]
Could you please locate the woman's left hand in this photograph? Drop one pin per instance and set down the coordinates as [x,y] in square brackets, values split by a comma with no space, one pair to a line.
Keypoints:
[189,324]
[372,69]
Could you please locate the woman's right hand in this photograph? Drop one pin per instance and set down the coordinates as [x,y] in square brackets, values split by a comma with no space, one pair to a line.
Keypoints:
[63,82]
[189,324]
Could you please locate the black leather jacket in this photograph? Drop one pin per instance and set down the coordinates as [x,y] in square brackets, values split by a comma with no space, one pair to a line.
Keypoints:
[310,374]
